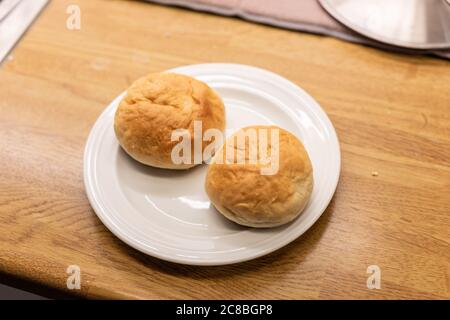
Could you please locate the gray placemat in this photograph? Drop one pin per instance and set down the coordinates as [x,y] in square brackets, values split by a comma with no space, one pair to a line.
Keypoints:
[301,15]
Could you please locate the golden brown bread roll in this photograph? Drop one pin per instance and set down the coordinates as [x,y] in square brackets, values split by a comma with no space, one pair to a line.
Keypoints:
[158,104]
[250,196]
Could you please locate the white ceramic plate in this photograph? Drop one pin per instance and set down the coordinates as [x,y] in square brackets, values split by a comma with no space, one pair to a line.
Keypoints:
[167,214]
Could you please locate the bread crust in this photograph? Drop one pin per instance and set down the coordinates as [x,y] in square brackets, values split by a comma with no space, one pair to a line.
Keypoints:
[242,194]
[158,104]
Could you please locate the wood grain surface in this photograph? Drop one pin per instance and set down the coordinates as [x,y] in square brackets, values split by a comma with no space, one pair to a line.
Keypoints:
[391,113]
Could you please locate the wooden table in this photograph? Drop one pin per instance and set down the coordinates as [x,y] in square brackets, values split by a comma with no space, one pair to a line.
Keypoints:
[391,113]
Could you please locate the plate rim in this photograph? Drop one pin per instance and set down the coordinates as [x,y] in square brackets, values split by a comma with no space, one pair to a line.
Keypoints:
[134,243]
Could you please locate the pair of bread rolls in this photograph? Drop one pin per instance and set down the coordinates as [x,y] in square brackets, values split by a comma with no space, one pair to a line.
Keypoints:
[243,187]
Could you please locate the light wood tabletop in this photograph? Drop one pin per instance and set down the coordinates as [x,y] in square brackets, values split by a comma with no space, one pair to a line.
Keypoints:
[391,113]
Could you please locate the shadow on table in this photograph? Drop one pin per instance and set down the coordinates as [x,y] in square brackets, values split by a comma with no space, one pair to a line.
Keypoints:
[275,262]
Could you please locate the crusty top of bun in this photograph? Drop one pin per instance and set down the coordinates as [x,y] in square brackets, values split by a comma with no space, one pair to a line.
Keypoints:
[158,104]
[242,194]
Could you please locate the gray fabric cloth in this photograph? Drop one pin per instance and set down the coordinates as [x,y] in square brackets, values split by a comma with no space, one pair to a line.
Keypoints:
[301,15]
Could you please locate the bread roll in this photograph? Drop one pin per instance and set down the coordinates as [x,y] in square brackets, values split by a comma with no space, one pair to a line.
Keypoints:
[245,193]
[158,104]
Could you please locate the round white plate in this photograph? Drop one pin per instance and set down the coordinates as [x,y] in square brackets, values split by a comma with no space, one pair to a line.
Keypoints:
[167,214]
